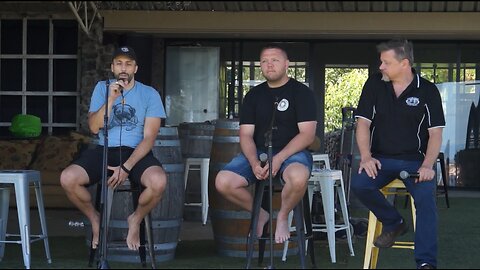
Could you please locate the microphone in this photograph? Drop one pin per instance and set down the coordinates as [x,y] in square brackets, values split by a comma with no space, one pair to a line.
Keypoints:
[404,175]
[120,87]
[263,159]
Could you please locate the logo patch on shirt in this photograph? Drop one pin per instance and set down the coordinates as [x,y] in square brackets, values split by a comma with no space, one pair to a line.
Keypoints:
[282,105]
[412,101]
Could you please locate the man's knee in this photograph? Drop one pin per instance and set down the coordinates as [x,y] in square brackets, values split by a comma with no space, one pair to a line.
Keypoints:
[221,182]
[69,178]
[361,183]
[158,182]
[297,175]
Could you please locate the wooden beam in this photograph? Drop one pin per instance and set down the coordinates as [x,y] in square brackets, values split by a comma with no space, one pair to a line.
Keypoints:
[287,25]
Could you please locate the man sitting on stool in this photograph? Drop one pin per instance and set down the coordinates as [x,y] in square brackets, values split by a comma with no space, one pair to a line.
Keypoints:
[292,106]
[399,127]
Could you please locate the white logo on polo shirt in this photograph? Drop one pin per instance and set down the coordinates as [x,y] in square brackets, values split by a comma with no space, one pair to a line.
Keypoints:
[412,101]
[282,105]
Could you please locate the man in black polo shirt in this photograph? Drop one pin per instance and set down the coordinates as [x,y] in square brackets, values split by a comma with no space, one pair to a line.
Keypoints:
[399,128]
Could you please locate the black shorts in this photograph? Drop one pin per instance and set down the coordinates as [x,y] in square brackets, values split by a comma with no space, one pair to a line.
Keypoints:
[92,161]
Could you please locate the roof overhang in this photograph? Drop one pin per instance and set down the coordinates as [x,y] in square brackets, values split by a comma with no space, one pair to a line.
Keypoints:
[297,25]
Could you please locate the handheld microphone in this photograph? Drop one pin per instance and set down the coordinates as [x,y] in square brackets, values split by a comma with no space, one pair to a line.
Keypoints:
[263,159]
[404,175]
[120,87]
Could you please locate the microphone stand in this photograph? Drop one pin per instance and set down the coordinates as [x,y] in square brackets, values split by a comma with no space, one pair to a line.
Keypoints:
[268,143]
[103,263]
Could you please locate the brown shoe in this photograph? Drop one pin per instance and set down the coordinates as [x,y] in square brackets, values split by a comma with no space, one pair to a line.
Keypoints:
[387,239]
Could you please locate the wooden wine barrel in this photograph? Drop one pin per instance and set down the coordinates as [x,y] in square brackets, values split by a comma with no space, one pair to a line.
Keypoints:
[196,139]
[231,223]
[196,142]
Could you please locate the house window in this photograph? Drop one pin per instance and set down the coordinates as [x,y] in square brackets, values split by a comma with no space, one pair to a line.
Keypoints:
[39,73]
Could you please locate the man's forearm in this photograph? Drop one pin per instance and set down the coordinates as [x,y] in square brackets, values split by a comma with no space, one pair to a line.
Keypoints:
[363,140]
[140,151]
[433,148]
[249,149]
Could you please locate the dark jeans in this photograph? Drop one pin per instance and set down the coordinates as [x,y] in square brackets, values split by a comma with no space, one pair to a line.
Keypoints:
[424,194]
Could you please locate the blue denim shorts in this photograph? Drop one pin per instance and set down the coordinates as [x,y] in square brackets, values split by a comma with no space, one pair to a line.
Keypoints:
[240,165]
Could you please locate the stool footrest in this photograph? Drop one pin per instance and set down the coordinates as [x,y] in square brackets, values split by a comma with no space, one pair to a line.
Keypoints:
[292,237]
[404,246]
[323,228]
[193,204]
[121,245]
[33,238]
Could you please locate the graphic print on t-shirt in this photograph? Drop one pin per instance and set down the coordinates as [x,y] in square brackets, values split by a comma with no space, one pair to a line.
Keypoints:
[124,115]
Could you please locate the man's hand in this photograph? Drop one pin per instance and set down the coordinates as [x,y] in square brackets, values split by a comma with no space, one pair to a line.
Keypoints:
[425,174]
[259,171]
[119,176]
[371,166]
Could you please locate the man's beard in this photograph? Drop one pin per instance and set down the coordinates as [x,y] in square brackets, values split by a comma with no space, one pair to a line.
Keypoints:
[385,77]
[126,80]
[273,77]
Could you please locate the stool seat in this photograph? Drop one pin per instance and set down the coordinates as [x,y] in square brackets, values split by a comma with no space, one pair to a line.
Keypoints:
[375,227]
[202,165]
[21,180]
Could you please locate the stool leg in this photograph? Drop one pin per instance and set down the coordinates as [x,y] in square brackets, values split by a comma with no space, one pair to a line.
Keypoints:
[327,188]
[372,224]
[346,217]
[375,250]
[97,207]
[141,251]
[204,189]
[151,253]
[187,169]
[285,244]
[5,201]
[252,235]
[444,180]
[300,228]
[309,228]
[104,224]
[414,213]
[265,204]
[23,209]
[43,221]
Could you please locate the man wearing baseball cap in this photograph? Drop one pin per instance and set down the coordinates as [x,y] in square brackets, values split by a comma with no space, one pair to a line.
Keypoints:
[135,112]
[126,51]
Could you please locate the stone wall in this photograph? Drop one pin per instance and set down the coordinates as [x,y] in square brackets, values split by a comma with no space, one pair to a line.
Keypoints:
[94,59]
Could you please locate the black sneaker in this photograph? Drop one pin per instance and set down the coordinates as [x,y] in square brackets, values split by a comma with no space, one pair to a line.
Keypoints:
[426,266]
[387,239]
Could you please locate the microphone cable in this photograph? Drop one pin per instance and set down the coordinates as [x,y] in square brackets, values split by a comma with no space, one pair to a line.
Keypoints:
[120,163]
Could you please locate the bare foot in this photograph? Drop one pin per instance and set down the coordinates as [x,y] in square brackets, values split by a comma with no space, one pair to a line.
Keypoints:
[95,230]
[133,237]
[263,218]
[282,233]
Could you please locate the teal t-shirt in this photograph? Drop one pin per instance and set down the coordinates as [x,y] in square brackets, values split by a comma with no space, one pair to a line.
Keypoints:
[126,121]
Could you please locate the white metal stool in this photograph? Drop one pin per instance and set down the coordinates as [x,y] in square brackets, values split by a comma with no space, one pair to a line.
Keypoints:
[4,204]
[329,181]
[199,164]
[326,181]
[318,159]
[22,179]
